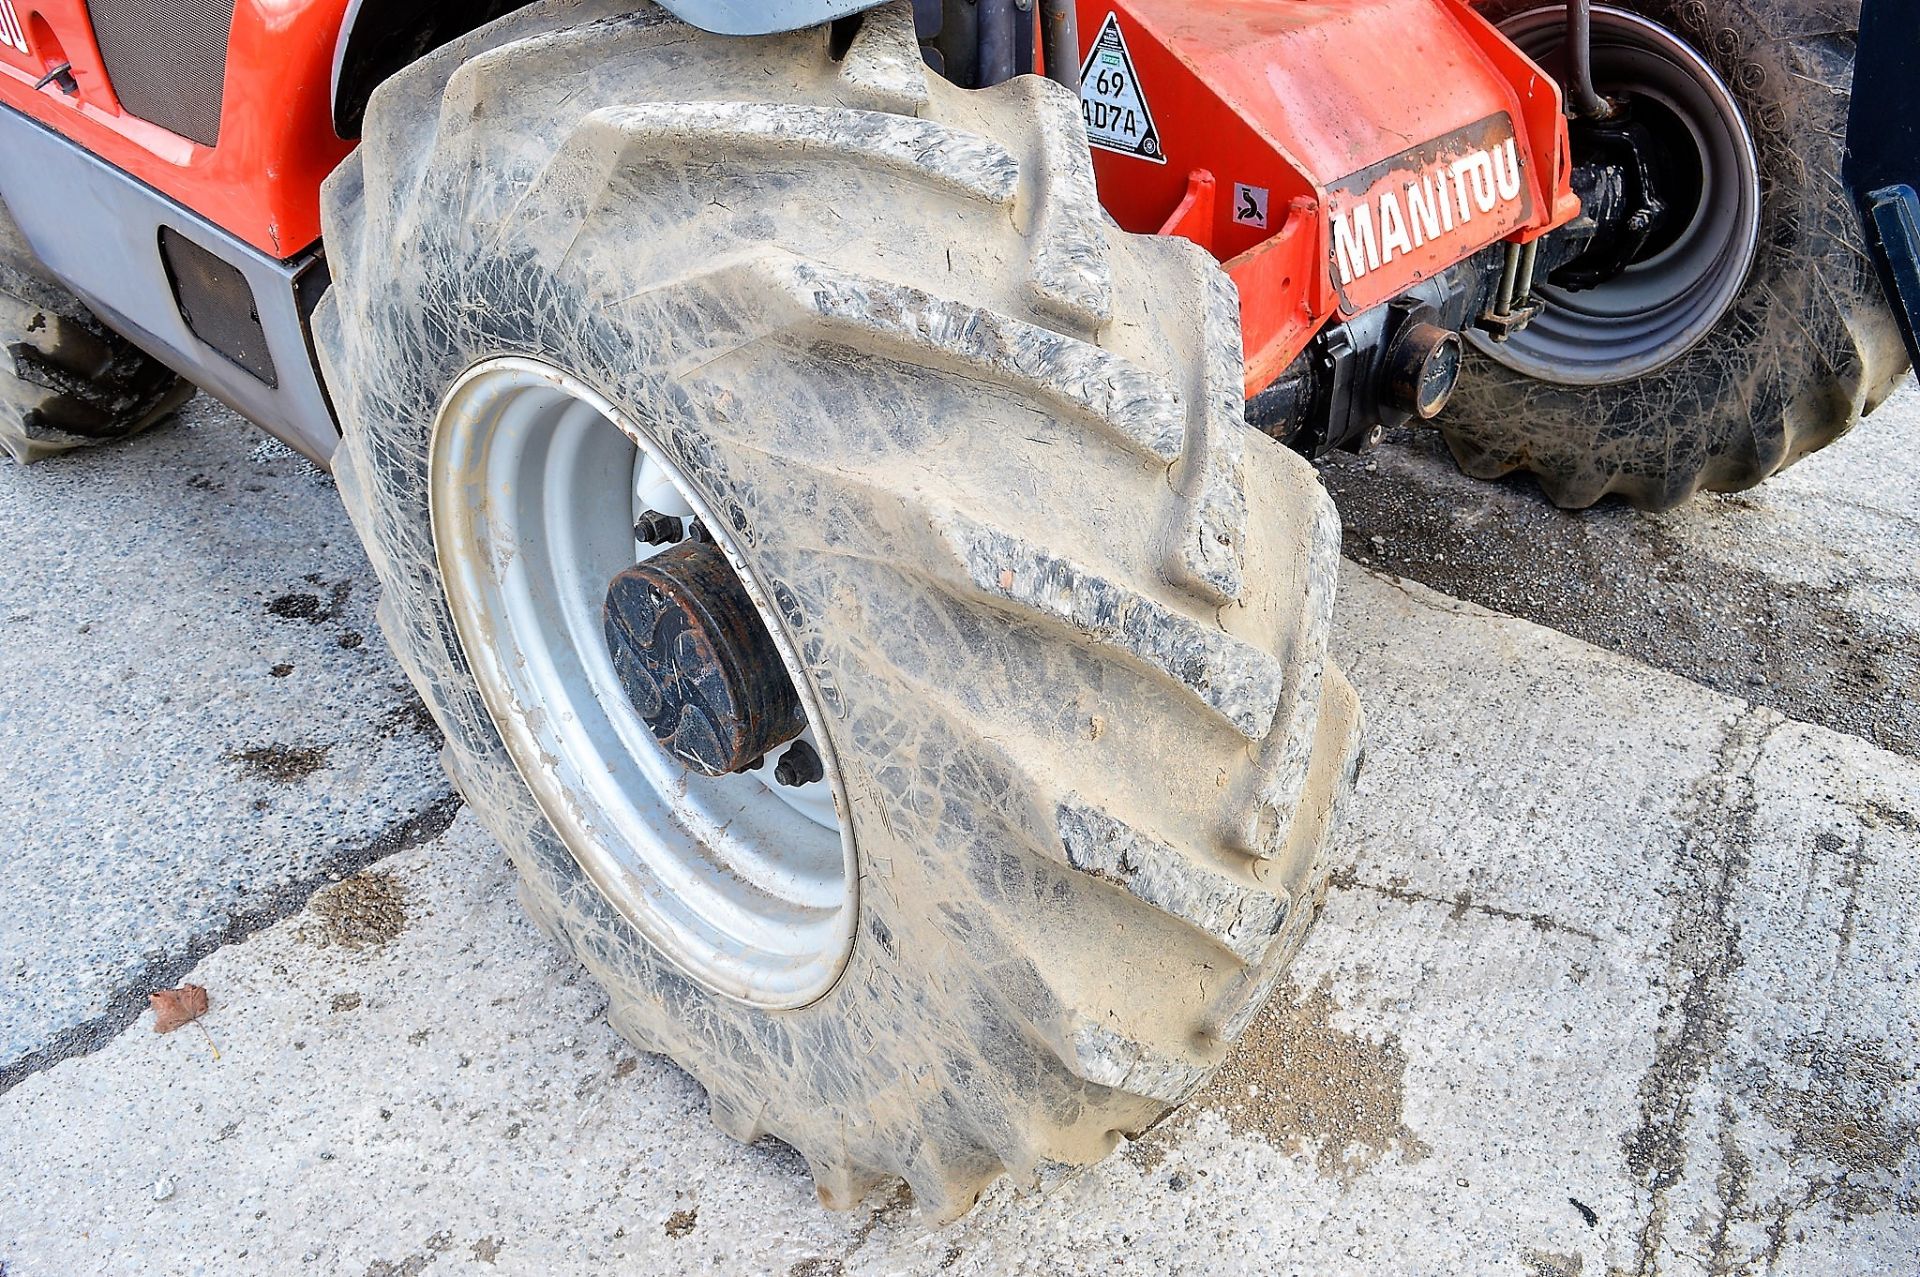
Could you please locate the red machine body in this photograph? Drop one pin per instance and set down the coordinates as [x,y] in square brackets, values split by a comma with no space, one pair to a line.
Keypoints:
[1330,153]
[261,180]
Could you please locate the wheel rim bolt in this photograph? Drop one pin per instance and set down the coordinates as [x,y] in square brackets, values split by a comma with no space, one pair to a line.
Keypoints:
[654,528]
[800,765]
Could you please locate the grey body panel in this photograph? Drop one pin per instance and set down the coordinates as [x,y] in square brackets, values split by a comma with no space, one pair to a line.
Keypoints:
[98,231]
[761,17]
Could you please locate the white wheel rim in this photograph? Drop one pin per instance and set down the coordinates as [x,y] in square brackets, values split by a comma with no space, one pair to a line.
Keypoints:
[535,481]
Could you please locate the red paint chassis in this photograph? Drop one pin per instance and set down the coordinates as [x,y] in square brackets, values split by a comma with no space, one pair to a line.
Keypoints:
[1331,110]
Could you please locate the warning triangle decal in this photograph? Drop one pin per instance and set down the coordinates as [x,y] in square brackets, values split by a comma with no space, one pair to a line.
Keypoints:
[1111,101]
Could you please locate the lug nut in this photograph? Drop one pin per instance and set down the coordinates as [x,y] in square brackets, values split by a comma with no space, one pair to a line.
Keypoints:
[654,528]
[697,531]
[799,766]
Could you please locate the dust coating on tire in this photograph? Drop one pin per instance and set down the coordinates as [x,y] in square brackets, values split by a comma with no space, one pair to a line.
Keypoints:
[1064,615]
[1804,350]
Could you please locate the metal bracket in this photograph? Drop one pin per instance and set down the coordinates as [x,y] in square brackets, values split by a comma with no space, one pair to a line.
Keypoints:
[1882,165]
[1893,229]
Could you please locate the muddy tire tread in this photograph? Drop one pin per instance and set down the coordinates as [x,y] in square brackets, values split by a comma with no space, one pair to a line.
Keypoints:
[1118,355]
[66,380]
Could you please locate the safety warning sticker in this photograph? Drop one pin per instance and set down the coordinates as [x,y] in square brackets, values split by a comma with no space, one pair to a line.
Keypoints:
[1250,205]
[1111,100]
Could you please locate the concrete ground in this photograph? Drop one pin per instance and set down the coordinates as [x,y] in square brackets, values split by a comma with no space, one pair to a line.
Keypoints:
[1617,975]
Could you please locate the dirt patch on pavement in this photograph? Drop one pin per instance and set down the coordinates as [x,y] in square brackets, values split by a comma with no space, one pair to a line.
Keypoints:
[1306,1085]
[1630,583]
[300,605]
[1547,1263]
[364,912]
[282,764]
[1844,1115]
[415,1264]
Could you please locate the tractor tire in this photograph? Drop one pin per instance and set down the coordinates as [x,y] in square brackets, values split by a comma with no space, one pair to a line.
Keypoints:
[1065,615]
[1807,345]
[66,381]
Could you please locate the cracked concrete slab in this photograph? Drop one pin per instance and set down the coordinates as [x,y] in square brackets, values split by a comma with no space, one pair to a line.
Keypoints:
[1802,594]
[1618,976]
[200,722]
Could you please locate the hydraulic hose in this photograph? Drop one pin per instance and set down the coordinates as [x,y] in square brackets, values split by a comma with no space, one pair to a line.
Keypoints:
[1060,41]
[1586,103]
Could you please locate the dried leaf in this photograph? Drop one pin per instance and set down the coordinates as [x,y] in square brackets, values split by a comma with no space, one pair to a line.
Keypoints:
[175,1007]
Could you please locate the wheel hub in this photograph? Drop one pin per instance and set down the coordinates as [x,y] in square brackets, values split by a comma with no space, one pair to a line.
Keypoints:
[696,661]
[1675,180]
[636,670]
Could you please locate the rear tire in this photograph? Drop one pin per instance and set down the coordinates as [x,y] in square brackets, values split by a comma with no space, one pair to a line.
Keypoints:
[1066,616]
[1807,346]
[66,381]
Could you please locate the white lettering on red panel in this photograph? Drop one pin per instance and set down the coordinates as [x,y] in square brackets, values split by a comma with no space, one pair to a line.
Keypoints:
[1464,189]
[11,32]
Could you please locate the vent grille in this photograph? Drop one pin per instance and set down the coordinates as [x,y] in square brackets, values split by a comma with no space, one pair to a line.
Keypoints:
[167,60]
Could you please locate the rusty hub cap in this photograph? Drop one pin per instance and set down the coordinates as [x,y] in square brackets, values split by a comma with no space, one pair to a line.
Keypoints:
[697,662]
